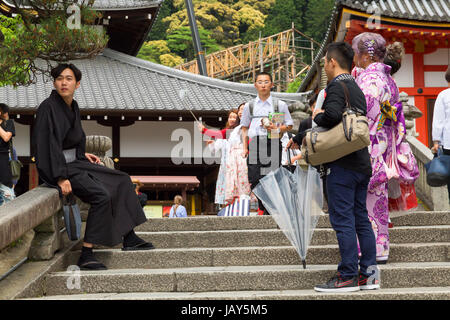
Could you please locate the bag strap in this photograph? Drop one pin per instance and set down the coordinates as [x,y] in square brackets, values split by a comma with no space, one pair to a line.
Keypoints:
[347,98]
[347,94]
[251,106]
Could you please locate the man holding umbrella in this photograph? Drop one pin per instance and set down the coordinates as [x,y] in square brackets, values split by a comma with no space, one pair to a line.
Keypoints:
[347,182]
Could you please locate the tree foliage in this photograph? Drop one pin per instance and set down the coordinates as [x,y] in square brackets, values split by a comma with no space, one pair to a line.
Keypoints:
[317,16]
[32,42]
[233,22]
[180,42]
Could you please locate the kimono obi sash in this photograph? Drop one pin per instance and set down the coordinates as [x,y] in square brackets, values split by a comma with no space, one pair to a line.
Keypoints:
[70,155]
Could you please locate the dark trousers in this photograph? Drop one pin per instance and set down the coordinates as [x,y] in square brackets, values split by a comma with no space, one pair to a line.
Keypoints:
[347,193]
[264,156]
[115,209]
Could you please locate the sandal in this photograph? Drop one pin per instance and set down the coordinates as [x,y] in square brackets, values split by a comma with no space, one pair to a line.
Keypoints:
[142,246]
[92,265]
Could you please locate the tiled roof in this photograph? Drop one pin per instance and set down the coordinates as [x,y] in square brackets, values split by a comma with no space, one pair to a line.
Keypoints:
[116,82]
[427,10]
[125,4]
[110,4]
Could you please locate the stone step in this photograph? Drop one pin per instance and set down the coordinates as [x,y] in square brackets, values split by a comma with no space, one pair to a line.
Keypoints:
[421,293]
[209,223]
[247,256]
[235,278]
[275,237]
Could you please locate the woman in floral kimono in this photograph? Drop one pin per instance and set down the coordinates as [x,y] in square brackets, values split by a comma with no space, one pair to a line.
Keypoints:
[221,144]
[386,133]
[237,171]
[402,194]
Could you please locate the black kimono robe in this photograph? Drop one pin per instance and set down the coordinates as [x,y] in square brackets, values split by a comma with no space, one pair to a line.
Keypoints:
[115,208]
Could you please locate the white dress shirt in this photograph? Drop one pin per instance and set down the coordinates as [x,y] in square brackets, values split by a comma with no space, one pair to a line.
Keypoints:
[262,109]
[441,119]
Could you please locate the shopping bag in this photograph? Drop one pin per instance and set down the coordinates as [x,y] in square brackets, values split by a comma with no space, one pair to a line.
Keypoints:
[239,208]
[72,217]
[438,170]
[407,200]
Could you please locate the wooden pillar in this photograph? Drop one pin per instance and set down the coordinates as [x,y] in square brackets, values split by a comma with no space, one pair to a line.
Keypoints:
[116,144]
[420,100]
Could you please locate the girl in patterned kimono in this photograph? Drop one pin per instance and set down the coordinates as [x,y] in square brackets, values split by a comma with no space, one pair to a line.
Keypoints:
[390,156]
[220,144]
[236,171]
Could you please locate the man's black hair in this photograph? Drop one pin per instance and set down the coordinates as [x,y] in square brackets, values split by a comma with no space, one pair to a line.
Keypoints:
[447,74]
[4,108]
[263,74]
[56,71]
[343,53]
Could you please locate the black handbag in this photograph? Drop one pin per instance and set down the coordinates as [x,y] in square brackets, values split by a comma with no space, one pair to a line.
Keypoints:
[289,166]
[15,165]
[72,217]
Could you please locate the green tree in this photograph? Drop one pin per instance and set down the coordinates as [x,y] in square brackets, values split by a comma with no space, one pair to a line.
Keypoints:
[213,16]
[180,42]
[51,35]
[171,60]
[251,21]
[317,17]
[152,50]
[159,28]
[283,14]
[159,52]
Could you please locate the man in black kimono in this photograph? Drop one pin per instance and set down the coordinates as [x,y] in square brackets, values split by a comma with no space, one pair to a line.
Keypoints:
[59,148]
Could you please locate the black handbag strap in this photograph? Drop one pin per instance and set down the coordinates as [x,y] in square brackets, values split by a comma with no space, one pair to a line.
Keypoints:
[69,200]
[347,95]
[10,142]
[347,99]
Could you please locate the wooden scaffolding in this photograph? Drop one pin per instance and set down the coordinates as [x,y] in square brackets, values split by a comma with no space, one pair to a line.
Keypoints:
[286,55]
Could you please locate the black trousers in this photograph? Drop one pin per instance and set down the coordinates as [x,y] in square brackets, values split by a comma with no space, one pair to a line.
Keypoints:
[115,208]
[264,156]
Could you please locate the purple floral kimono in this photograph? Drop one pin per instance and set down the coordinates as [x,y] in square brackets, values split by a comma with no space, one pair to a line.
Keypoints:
[390,154]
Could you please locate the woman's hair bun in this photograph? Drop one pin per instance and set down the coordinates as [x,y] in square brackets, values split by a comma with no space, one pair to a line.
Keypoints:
[395,52]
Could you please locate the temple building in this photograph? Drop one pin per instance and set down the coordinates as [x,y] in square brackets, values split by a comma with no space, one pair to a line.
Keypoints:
[424,29]
[145,108]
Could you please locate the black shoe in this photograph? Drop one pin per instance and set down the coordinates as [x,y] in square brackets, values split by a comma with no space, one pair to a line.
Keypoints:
[141,246]
[368,283]
[131,242]
[89,262]
[338,284]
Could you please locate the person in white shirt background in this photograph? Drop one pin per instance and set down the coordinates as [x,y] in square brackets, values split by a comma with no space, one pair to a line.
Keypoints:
[265,154]
[441,121]
[178,210]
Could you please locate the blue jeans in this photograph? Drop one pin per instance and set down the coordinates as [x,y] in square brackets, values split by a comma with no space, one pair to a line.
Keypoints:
[347,193]
[6,194]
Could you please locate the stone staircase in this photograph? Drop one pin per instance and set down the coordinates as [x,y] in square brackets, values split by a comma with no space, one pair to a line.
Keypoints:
[250,258]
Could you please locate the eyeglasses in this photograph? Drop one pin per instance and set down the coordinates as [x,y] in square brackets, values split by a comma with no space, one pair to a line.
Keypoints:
[263,82]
